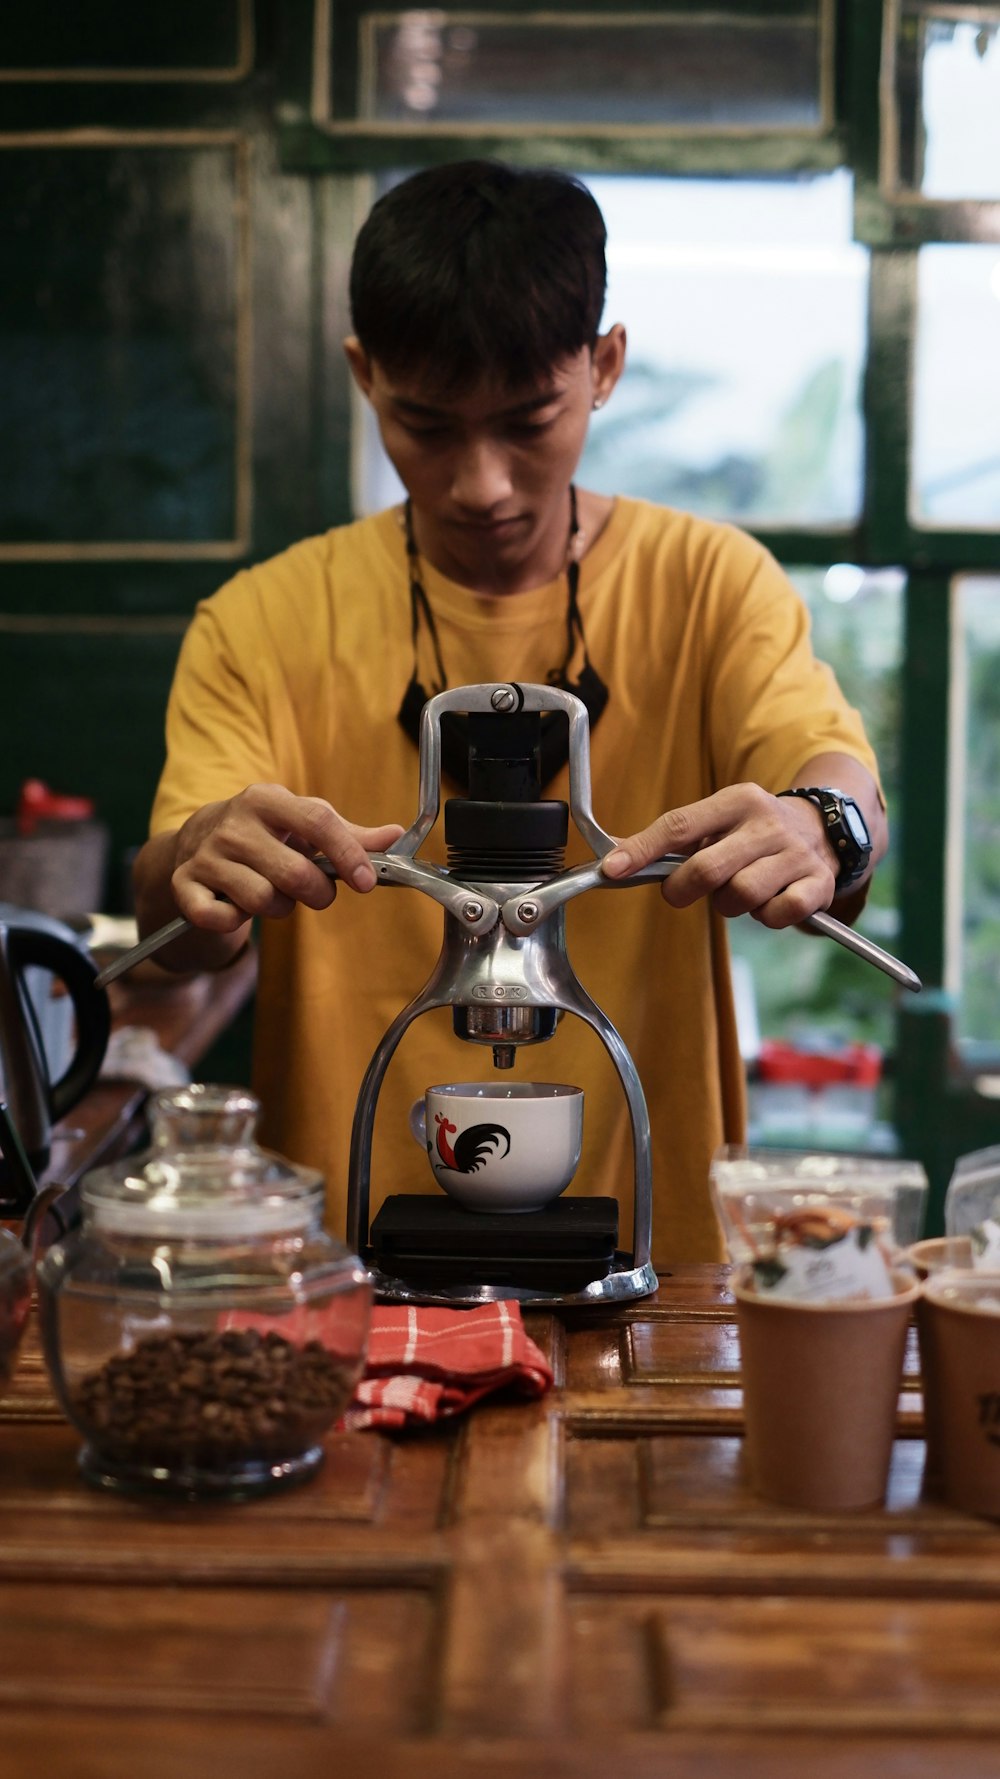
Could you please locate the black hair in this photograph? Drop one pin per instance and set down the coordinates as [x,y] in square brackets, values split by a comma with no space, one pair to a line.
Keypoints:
[479,269]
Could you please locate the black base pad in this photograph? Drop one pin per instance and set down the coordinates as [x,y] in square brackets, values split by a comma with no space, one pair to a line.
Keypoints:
[430,1240]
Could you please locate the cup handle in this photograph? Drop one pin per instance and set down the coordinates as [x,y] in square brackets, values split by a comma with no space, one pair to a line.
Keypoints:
[418,1123]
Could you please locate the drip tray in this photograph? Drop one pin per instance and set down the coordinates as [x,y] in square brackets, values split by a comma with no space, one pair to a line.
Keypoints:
[430,1240]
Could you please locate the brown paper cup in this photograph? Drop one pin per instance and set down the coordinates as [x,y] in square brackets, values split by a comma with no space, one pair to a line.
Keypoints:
[937,1253]
[926,1258]
[930,1394]
[821,1385]
[960,1355]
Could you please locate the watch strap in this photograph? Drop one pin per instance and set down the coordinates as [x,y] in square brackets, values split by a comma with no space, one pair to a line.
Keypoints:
[851,853]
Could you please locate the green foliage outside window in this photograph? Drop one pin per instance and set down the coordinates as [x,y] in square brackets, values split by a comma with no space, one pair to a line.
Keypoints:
[807,988]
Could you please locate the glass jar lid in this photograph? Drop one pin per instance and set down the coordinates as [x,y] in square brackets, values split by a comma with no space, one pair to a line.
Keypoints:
[203,1174]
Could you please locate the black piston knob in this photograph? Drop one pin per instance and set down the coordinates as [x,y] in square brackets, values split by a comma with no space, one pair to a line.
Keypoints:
[499,841]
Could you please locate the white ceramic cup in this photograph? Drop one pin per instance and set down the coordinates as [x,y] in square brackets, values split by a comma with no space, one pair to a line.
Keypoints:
[510,1147]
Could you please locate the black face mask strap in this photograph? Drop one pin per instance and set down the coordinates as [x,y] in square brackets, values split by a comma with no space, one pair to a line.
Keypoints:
[589,687]
[454,745]
[574,624]
[420,606]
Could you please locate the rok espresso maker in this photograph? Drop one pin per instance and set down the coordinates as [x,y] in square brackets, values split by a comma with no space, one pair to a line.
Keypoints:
[505,973]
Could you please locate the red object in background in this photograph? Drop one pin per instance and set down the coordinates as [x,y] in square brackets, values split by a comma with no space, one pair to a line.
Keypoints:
[852,1065]
[38,804]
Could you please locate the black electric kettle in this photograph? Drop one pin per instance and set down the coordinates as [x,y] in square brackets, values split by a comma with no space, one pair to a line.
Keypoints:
[32,943]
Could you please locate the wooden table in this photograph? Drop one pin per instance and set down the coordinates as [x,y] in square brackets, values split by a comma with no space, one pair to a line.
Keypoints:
[582,1585]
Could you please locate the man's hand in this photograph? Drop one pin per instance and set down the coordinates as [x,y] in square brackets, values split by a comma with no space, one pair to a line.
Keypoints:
[256,850]
[247,856]
[750,852]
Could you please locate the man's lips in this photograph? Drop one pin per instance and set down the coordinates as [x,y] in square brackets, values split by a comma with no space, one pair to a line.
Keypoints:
[492,525]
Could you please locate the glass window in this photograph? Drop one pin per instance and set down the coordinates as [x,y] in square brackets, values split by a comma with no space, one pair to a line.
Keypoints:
[978,751]
[809,990]
[948,87]
[619,70]
[955,475]
[745,306]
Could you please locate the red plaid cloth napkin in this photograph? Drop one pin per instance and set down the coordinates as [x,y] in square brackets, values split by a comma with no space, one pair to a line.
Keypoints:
[426,1365]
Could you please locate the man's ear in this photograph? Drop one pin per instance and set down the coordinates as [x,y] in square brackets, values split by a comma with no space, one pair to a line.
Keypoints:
[607,361]
[360,363]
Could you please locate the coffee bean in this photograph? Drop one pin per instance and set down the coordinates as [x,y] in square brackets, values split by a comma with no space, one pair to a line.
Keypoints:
[213,1400]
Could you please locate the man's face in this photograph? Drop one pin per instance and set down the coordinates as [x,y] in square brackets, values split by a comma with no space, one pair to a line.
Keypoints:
[488,470]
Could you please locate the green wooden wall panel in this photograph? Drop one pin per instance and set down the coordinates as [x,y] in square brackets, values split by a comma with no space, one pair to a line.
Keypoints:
[69,587]
[97,36]
[119,355]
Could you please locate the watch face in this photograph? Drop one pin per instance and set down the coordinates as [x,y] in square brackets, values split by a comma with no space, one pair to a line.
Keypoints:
[856,822]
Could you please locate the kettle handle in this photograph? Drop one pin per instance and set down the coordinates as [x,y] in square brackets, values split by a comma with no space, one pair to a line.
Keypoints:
[30,945]
[46,1203]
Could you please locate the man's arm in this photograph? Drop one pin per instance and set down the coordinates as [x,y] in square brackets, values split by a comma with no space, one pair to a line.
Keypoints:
[250,855]
[756,853]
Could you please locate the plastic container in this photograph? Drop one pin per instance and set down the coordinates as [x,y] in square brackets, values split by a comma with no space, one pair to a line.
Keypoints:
[202,1330]
[53,853]
[818,1227]
[972,1205]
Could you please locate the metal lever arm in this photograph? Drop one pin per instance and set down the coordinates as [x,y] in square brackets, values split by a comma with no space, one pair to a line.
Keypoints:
[866,948]
[477,912]
[459,899]
[522,913]
[550,896]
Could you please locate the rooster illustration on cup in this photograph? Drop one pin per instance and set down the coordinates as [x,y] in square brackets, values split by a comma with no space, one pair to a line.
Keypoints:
[473,1149]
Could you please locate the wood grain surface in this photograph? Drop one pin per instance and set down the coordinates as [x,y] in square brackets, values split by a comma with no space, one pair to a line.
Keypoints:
[583,1585]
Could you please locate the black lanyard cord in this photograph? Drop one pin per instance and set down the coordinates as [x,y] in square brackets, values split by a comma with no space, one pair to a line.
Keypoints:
[420,604]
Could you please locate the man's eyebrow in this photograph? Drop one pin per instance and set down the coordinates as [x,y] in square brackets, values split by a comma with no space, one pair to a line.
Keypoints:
[427,411]
[543,399]
[421,409]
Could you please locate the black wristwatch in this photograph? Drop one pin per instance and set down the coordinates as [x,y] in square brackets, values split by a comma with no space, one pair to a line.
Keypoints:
[846,829]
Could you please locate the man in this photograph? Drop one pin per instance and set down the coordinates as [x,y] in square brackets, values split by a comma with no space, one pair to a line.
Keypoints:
[477,294]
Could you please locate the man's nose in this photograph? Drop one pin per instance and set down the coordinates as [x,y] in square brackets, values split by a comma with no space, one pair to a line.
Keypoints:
[481,479]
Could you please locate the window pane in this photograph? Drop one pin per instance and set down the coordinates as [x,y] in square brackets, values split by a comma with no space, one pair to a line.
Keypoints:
[813,991]
[979,1007]
[478,69]
[745,305]
[957,142]
[956,435]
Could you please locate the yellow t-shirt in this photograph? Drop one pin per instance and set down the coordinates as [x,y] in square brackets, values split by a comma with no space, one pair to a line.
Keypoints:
[293,674]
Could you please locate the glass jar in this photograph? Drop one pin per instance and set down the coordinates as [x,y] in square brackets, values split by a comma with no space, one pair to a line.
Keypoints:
[202,1330]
